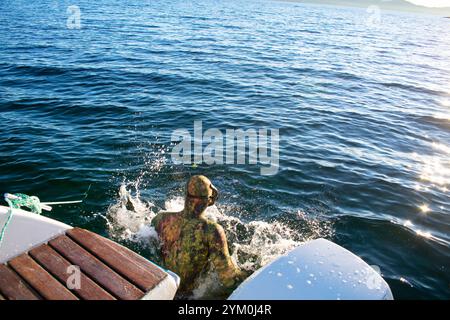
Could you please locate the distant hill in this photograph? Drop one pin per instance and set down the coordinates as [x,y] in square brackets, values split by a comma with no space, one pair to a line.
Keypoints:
[401,5]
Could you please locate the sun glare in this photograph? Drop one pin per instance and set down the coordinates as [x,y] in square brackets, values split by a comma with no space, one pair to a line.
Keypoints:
[431,3]
[424,208]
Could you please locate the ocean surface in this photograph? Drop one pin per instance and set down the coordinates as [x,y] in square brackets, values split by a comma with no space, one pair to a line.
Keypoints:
[362,102]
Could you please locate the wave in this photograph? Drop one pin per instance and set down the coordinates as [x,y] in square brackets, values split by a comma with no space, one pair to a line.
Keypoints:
[30,70]
[441,121]
[412,88]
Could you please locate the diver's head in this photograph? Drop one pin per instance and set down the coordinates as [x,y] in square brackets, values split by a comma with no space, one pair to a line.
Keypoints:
[200,194]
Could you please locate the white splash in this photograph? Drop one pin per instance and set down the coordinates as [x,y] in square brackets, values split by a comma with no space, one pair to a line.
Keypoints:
[253,244]
[131,225]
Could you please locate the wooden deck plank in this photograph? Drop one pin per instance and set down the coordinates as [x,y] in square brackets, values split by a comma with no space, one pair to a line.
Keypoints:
[38,278]
[96,269]
[130,265]
[58,267]
[13,287]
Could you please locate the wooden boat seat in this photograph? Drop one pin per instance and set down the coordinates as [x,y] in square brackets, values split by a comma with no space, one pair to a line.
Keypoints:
[108,271]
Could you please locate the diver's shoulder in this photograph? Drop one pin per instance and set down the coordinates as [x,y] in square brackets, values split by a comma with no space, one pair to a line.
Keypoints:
[163,216]
[168,213]
[210,223]
[213,227]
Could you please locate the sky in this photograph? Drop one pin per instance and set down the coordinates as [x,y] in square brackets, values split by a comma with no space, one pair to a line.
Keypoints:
[431,3]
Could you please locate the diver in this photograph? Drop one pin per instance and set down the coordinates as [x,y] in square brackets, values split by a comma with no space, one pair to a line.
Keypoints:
[193,246]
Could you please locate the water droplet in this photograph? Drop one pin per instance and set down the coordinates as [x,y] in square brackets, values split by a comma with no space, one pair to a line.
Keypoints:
[408,223]
[289,286]
[279,274]
[406,281]
[308,281]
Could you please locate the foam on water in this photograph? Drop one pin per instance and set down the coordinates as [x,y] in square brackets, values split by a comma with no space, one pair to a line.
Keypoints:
[131,224]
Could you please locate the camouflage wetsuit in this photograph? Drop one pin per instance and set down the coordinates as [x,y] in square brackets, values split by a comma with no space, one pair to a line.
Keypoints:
[192,245]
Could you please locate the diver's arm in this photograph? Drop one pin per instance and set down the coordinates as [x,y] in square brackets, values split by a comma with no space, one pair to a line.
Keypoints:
[229,274]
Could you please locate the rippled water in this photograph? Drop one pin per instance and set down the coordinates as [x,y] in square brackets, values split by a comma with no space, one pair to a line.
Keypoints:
[363,111]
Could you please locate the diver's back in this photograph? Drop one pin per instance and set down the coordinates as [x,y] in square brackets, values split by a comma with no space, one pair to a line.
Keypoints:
[185,246]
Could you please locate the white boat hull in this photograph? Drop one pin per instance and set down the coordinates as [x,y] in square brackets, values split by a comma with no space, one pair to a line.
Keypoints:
[25,231]
[316,270]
